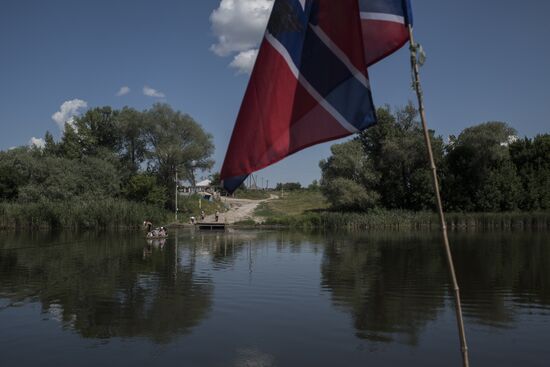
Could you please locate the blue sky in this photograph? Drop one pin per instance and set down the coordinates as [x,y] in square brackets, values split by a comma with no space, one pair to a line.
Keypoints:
[487,60]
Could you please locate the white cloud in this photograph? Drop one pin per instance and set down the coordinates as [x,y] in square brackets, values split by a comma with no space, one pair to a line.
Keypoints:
[244,61]
[37,142]
[123,91]
[239,26]
[151,92]
[68,111]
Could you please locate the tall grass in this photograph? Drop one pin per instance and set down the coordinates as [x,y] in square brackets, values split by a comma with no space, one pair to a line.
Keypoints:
[78,214]
[394,219]
[252,194]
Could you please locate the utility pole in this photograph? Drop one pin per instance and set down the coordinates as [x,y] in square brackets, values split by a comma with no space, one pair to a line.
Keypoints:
[176,197]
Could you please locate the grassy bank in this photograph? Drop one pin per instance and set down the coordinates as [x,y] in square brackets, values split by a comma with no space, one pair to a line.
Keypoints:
[78,215]
[309,209]
[252,194]
[381,219]
[292,203]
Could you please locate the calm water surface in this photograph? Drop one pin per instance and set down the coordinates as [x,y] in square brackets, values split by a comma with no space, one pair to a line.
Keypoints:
[272,299]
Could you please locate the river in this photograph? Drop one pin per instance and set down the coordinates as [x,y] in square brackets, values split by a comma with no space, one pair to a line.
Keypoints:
[272,298]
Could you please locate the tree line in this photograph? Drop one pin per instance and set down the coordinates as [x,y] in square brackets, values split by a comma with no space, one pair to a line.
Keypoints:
[106,153]
[486,168]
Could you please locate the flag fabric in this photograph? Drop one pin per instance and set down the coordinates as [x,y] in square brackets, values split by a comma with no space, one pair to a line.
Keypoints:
[384,24]
[309,85]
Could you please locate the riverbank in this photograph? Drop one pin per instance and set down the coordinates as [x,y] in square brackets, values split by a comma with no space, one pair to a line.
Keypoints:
[79,215]
[99,214]
[395,220]
[304,209]
[308,209]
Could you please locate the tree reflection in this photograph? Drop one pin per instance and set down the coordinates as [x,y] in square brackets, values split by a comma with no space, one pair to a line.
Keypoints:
[502,273]
[389,285]
[394,284]
[108,288]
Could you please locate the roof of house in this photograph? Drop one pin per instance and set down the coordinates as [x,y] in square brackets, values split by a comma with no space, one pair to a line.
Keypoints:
[204,183]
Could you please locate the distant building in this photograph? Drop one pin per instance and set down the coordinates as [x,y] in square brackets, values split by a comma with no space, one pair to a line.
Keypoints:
[511,139]
[203,188]
[204,185]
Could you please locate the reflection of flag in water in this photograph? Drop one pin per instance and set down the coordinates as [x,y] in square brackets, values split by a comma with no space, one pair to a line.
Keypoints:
[309,85]
[384,24]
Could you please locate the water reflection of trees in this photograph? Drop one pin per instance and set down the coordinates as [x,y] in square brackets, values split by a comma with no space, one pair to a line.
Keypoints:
[394,284]
[503,274]
[110,286]
[224,249]
[391,286]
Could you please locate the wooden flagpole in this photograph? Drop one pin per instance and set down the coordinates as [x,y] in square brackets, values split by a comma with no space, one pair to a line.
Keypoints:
[458,307]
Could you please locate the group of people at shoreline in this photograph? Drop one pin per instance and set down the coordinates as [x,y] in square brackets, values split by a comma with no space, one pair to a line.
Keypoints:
[162,232]
[193,220]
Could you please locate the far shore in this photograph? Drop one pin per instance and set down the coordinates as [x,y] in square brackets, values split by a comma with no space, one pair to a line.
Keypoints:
[336,221]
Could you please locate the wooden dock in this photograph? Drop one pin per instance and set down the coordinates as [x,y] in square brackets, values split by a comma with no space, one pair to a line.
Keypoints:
[211,226]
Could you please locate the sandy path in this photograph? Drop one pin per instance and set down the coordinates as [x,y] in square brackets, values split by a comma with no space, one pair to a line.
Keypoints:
[239,209]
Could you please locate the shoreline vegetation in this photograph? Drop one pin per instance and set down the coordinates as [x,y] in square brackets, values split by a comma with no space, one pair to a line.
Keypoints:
[123,215]
[309,209]
[105,214]
[114,168]
[99,214]
[404,220]
[110,169]
[303,209]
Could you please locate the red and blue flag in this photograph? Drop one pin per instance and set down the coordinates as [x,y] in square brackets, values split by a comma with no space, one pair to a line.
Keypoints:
[310,82]
[385,27]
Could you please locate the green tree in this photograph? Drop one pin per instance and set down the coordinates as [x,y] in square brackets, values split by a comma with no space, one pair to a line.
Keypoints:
[144,188]
[348,178]
[480,176]
[32,177]
[106,154]
[397,150]
[386,165]
[531,158]
[16,170]
[288,186]
[314,185]
[216,181]
[98,131]
[132,135]
[176,141]
[70,146]
[50,146]
[60,179]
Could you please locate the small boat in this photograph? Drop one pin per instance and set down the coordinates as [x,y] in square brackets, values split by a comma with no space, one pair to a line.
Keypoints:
[157,234]
[156,237]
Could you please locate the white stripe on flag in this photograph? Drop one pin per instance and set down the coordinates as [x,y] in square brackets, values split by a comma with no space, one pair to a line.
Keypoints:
[286,56]
[341,55]
[382,16]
